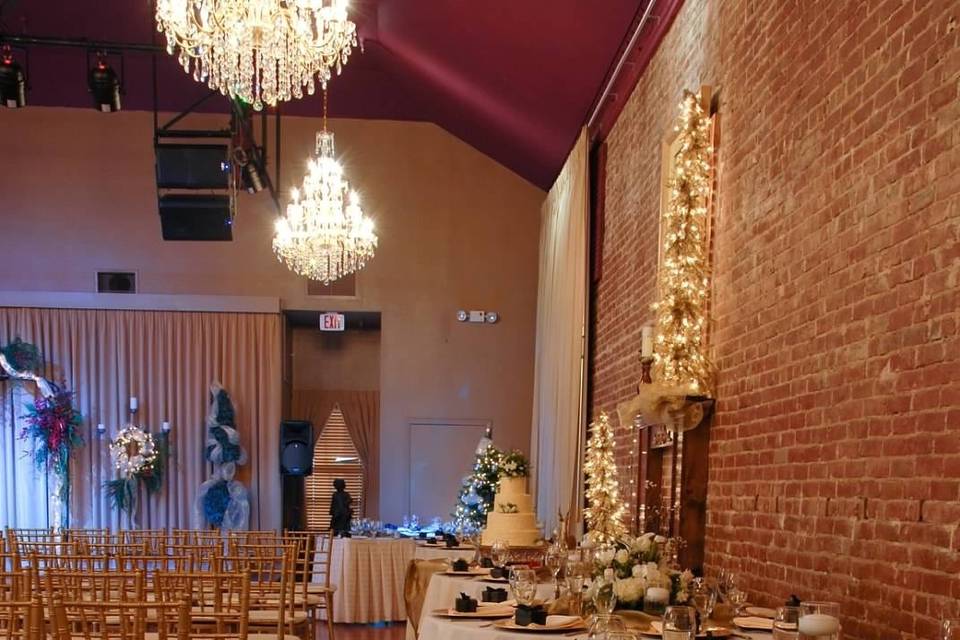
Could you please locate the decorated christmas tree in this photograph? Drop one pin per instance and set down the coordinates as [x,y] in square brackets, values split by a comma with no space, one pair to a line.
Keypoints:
[476,494]
[604,512]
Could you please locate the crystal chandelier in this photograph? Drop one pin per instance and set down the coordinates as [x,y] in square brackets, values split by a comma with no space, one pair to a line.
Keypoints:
[324,234]
[261,51]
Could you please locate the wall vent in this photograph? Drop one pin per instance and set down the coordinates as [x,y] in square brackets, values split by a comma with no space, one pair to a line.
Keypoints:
[116,282]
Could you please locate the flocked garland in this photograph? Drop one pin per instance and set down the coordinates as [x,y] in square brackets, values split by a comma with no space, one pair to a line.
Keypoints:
[52,423]
[684,276]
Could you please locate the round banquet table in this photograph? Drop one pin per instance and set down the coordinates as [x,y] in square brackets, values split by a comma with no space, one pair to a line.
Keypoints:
[434,628]
[369,575]
[443,590]
[440,552]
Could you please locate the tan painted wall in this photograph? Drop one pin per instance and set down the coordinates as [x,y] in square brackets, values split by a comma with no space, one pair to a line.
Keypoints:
[347,361]
[457,231]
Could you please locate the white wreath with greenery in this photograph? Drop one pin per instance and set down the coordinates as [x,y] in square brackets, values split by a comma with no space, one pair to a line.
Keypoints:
[133,451]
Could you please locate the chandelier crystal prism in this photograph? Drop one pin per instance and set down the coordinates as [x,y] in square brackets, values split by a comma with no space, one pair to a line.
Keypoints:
[261,51]
[324,234]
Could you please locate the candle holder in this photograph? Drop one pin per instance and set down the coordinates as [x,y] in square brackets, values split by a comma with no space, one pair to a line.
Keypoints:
[646,367]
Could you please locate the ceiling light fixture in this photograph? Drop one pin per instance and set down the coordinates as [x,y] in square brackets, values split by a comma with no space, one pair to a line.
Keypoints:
[324,234]
[13,84]
[261,51]
[104,84]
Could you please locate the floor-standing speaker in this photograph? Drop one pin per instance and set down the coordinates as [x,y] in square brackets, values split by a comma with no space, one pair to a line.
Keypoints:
[296,461]
[296,448]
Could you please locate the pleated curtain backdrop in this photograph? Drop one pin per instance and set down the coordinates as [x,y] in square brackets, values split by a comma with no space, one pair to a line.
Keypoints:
[167,360]
[361,413]
[560,345]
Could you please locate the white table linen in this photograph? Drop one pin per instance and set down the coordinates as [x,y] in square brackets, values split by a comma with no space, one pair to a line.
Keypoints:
[440,552]
[369,575]
[444,590]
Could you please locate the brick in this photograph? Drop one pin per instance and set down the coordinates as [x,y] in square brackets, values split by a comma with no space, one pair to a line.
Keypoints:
[835,449]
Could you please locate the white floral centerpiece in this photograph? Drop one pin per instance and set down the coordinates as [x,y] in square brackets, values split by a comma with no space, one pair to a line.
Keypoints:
[638,566]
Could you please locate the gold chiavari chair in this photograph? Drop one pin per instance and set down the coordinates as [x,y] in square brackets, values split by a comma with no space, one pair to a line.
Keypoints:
[272,588]
[16,584]
[89,536]
[115,620]
[75,586]
[150,565]
[220,602]
[114,548]
[199,557]
[22,620]
[312,574]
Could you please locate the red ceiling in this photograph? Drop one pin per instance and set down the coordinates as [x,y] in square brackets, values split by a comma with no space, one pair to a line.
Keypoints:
[514,78]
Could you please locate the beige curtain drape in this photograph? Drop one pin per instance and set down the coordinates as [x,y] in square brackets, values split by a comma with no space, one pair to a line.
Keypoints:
[560,345]
[167,360]
[361,413]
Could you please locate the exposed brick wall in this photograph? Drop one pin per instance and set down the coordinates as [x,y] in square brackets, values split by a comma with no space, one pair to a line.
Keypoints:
[835,453]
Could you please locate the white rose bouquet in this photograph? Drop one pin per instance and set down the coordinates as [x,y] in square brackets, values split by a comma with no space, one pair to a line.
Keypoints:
[638,564]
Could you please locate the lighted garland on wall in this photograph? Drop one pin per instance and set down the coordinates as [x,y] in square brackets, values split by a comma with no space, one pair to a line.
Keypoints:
[684,276]
[605,510]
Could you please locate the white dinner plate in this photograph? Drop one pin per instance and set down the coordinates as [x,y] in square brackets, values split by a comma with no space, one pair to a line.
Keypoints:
[754,623]
[570,623]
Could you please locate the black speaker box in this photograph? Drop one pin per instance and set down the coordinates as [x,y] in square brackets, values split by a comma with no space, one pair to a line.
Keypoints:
[296,448]
[189,217]
[192,166]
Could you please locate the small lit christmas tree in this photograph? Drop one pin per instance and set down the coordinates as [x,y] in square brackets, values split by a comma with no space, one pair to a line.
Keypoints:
[476,494]
[604,512]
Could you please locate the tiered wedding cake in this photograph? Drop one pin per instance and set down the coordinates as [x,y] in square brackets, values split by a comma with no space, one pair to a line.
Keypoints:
[512,518]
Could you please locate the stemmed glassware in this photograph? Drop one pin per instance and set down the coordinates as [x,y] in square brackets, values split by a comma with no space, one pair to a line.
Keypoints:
[555,559]
[604,599]
[500,553]
[604,625]
[679,623]
[525,586]
[704,599]
[950,630]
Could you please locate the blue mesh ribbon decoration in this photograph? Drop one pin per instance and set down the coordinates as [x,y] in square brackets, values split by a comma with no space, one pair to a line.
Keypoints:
[223,502]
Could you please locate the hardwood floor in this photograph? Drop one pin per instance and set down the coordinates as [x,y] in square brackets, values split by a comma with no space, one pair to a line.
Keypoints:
[393,631]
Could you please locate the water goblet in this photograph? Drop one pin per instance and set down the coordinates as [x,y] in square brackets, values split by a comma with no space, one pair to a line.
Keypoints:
[785,623]
[525,588]
[554,559]
[679,623]
[737,598]
[500,553]
[604,624]
[704,599]
[604,599]
[819,621]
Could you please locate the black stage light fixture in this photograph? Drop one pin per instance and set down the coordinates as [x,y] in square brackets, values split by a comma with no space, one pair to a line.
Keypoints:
[104,84]
[250,175]
[13,84]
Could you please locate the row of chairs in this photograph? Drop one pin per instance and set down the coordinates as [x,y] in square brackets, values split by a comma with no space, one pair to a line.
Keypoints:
[95,581]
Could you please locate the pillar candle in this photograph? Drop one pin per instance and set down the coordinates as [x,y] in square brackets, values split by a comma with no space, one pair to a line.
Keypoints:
[658,594]
[134,404]
[646,341]
[165,427]
[818,624]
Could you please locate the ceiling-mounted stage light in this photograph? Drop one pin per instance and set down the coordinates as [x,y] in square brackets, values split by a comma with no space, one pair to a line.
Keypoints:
[13,84]
[104,84]
[250,177]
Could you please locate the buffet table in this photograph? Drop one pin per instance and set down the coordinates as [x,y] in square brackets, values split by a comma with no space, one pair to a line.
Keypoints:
[369,575]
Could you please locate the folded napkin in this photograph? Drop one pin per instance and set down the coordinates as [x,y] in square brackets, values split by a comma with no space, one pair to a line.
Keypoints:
[753,622]
[562,621]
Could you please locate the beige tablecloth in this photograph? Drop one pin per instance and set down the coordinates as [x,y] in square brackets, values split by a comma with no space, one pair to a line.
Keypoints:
[443,590]
[369,574]
[440,552]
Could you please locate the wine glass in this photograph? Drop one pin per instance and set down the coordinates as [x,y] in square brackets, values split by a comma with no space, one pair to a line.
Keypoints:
[704,599]
[679,623]
[605,624]
[604,599]
[525,587]
[819,621]
[785,623]
[555,559]
[512,576]
[737,598]
[500,553]
[727,582]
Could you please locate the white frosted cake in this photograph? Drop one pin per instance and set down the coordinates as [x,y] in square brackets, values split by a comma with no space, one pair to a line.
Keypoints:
[512,517]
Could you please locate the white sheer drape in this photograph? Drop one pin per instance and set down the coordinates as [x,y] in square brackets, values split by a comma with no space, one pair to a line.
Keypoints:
[560,351]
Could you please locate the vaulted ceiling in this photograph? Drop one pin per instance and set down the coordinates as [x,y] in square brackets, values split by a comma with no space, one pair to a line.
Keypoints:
[514,78]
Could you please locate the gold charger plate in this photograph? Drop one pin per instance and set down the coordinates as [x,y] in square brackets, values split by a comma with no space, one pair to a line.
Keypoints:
[472,573]
[655,631]
[510,625]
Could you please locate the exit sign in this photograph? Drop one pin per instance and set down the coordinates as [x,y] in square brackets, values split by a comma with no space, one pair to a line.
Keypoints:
[333,322]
